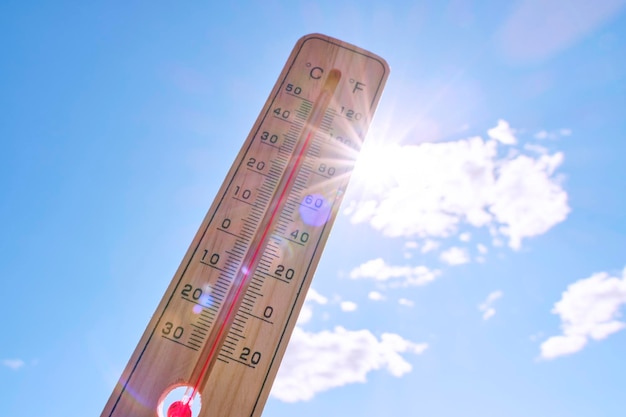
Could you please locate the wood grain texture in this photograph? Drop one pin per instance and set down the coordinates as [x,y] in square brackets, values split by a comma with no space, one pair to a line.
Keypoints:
[223,324]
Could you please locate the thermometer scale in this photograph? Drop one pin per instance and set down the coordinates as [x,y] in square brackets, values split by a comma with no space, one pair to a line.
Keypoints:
[222,327]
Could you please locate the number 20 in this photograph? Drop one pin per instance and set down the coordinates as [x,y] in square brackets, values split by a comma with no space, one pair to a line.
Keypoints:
[254,358]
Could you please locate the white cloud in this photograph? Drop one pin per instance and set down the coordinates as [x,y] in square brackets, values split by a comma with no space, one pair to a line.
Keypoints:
[527,203]
[378,270]
[538,149]
[314,296]
[306,313]
[410,245]
[465,237]
[503,133]
[555,134]
[482,248]
[317,362]
[434,188]
[14,364]
[489,313]
[429,246]
[454,256]
[375,296]
[557,346]
[589,308]
[348,306]
[538,29]
[406,302]
[487,306]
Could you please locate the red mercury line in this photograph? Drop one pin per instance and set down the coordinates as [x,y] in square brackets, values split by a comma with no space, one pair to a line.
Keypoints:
[183,408]
[246,269]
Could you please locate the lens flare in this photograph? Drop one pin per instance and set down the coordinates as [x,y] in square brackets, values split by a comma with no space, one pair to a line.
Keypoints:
[315,209]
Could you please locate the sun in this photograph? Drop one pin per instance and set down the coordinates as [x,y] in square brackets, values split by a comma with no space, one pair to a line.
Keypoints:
[377,165]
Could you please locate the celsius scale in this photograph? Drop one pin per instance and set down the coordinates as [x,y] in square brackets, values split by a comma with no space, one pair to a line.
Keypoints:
[215,343]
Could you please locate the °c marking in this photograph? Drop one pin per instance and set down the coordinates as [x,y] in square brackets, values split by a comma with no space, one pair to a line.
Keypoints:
[316,73]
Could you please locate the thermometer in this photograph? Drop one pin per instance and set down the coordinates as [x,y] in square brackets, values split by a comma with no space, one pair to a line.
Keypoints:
[216,340]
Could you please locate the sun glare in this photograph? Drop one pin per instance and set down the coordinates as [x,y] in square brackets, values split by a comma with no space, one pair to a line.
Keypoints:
[378,162]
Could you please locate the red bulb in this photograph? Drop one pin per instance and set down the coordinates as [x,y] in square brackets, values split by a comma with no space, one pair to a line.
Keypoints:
[179,409]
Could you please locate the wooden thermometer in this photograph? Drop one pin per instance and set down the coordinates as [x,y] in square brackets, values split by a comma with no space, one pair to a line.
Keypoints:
[215,342]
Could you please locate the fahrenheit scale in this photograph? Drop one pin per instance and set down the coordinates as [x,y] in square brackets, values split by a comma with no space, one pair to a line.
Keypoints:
[222,327]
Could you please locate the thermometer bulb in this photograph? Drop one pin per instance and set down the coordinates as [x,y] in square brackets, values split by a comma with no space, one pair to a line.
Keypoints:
[222,326]
[179,409]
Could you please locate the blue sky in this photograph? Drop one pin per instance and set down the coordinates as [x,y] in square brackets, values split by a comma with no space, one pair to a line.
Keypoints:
[477,266]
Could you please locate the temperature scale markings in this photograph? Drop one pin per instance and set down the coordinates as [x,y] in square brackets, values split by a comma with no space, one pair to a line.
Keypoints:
[258,172]
[279,238]
[231,344]
[273,276]
[239,325]
[304,110]
[290,140]
[257,287]
[322,175]
[284,149]
[235,322]
[217,294]
[251,305]
[315,147]
[245,232]
[309,207]
[263,198]
[283,120]
[236,253]
[223,286]
[211,308]
[235,360]
[254,217]
[278,162]
[242,201]
[179,343]
[197,337]
[264,264]
[265,212]
[195,343]
[209,312]
[232,234]
[208,315]
[238,245]
[266,191]
[200,329]
[275,171]
[327,122]
[237,329]
[264,142]
[212,266]
[256,293]
[307,101]
[205,322]
[236,339]
[256,317]
[250,297]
